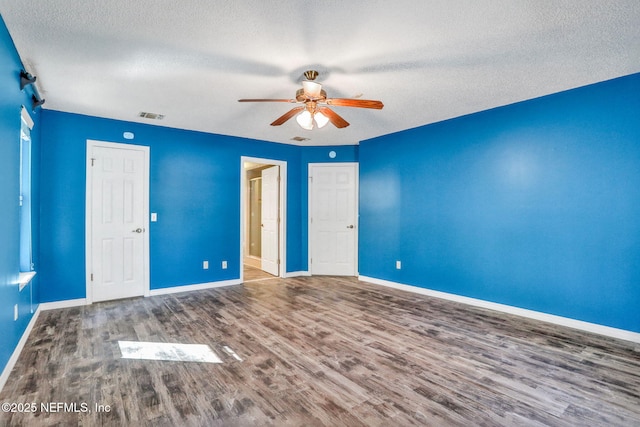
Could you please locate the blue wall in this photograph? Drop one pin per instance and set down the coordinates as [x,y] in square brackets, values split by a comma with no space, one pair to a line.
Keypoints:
[11,101]
[194,188]
[534,205]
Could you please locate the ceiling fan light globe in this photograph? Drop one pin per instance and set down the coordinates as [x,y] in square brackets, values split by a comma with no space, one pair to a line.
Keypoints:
[321,119]
[305,120]
[311,89]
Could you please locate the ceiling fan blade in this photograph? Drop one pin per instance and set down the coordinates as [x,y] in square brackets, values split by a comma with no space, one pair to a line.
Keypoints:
[360,103]
[333,117]
[286,116]
[267,100]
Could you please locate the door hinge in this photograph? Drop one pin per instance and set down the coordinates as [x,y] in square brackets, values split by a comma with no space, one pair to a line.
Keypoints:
[92,277]
[92,161]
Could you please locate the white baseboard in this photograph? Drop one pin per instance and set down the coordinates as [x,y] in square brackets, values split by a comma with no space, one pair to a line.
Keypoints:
[296,274]
[172,290]
[196,287]
[16,352]
[531,314]
[62,304]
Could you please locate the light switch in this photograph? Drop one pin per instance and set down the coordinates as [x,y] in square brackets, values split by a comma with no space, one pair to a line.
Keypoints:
[154,217]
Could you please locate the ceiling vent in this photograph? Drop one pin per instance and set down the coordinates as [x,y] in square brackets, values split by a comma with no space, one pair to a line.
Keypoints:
[299,138]
[152,116]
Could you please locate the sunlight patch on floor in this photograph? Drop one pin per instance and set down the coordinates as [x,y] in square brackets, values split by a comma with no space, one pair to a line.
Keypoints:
[168,351]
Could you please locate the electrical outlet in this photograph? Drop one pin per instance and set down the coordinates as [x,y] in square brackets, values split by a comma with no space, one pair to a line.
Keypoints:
[205,265]
[224,265]
[15,312]
[398,265]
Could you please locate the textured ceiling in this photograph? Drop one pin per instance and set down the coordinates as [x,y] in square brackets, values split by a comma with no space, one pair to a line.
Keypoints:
[426,60]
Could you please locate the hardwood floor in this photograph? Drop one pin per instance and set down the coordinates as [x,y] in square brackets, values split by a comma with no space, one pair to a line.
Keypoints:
[321,351]
[252,274]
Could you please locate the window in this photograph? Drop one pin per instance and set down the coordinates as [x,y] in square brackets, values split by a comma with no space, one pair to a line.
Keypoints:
[26,259]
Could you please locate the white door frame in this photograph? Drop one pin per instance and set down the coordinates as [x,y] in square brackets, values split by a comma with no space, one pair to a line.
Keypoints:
[88,213]
[282,249]
[310,210]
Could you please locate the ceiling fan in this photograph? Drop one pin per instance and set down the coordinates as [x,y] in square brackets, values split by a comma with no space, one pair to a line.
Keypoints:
[314,109]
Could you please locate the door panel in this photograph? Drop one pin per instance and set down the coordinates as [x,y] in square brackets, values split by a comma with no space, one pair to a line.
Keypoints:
[117,223]
[333,219]
[270,220]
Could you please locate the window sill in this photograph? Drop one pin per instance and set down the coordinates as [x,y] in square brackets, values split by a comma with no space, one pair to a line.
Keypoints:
[25,278]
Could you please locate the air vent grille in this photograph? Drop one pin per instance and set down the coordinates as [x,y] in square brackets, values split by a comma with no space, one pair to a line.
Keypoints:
[152,116]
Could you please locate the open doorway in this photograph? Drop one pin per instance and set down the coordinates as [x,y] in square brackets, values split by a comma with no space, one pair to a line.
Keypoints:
[263,200]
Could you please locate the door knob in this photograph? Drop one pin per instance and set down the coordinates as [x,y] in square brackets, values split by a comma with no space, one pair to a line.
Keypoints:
[137,230]
[350,226]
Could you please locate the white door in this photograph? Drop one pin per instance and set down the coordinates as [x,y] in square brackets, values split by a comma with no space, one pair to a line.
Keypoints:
[270,219]
[333,211]
[118,221]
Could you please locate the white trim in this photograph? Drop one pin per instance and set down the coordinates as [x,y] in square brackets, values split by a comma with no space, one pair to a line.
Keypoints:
[296,274]
[531,314]
[196,287]
[282,249]
[26,117]
[356,205]
[16,352]
[44,306]
[88,195]
[24,278]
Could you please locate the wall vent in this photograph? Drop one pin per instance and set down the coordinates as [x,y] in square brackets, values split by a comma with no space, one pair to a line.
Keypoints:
[152,116]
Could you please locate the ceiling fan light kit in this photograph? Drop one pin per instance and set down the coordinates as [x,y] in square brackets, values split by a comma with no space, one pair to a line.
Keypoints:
[306,120]
[321,119]
[313,111]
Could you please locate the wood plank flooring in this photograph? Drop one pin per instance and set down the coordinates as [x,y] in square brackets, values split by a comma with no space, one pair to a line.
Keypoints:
[321,351]
[252,274]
